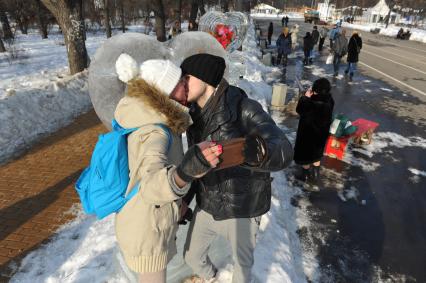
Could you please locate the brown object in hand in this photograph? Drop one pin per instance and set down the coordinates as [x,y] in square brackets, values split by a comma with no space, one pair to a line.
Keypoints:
[232,154]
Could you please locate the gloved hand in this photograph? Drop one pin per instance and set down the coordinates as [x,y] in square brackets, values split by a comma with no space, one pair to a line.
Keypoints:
[198,160]
[254,150]
[186,217]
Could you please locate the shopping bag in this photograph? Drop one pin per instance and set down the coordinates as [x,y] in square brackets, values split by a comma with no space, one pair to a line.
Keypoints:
[329,60]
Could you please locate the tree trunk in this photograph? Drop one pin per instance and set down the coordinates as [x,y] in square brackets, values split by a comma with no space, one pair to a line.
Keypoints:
[23,27]
[7,31]
[41,20]
[193,13]
[2,48]
[391,6]
[179,13]
[225,6]
[123,20]
[160,20]
[201,6]
[107,19]
[68,14]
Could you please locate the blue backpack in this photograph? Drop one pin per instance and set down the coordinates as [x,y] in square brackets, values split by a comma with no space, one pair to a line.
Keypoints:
[102,186]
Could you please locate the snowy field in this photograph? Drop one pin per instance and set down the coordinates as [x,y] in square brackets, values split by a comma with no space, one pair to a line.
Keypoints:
[291,15]
[392,30]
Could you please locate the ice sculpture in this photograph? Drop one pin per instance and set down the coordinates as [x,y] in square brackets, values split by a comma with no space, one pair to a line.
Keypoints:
[106,89]
[189,43]
[229,29]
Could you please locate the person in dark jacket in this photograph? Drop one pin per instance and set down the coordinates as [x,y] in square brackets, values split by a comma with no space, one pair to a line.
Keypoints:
[316,110]
[315,35]
[270,32]
[284,45]
[230,201]
[308,45]
[315,38]
[354,48]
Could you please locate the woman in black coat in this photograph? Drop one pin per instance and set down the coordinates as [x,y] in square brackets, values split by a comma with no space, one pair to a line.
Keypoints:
[354,48]
[316,110]
[308,45]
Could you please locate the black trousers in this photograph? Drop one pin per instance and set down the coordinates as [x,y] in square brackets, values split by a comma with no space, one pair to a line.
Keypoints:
[269,38]
[321,43]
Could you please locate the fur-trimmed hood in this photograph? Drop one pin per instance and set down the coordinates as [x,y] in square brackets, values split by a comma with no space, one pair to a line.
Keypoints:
[144,104]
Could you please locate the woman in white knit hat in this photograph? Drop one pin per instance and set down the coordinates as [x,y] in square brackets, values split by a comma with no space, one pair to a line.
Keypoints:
[146,226]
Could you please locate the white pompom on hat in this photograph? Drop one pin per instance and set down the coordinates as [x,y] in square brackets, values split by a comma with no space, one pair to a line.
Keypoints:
[163,74]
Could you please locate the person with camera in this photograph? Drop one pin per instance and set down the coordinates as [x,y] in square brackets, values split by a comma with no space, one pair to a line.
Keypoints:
[315,109]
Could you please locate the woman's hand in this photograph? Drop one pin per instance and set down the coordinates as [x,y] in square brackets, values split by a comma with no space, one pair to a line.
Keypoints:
[309,93]
[211,152]
[198,161]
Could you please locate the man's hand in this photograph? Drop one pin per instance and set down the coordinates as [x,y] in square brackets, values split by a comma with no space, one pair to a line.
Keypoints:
[183,210]
[309,93]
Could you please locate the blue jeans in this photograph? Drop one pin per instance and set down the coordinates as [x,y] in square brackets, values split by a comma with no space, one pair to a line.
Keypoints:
[336,63]
[351,68]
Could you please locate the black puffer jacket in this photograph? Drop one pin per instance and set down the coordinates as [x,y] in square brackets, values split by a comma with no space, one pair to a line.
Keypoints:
[242,191]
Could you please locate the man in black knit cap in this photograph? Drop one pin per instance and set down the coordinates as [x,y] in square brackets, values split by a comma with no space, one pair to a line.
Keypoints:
[230,201]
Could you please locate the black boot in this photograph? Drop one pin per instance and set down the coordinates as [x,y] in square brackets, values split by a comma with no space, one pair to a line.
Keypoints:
[314,173]
[303,174]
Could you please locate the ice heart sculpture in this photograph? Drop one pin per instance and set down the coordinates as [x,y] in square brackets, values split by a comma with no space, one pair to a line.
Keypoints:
[229,29]
[105,89]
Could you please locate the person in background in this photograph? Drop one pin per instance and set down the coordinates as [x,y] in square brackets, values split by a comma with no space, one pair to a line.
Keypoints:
[333,34]
[323,35]
[354,48]
[175,30]
[283,21]
[270,32]
[315,109]
[193,26]
[339,49]
[315,38]
[286,21]
[284,46]
[308,45]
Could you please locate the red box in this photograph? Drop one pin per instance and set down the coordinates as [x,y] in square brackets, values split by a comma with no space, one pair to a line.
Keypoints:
[336,147]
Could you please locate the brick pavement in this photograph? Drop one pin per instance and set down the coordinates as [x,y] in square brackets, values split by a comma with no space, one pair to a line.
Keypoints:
[37,189]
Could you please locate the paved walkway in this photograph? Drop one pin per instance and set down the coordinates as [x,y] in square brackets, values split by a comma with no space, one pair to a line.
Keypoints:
[37,189]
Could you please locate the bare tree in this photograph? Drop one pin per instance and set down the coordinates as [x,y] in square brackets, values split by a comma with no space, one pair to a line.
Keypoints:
[7,31]
[2,48]
[160,19]
[42,19]
[107,18]
[68,13]
[123,19]
[194,11]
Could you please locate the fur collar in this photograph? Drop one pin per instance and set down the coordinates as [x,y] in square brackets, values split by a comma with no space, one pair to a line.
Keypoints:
[147,104]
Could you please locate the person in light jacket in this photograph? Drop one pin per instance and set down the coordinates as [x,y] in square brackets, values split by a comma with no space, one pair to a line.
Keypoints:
[146,226]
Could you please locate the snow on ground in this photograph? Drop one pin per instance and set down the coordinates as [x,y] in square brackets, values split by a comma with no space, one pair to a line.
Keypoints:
[290,15]
[391,30]
[85,250]
[30,113]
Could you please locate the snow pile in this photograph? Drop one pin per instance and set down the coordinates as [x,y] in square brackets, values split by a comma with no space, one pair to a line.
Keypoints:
[30,113]
[91,254]
[381,140]
[290,15]
[33,62]
[391,30]
[248,73]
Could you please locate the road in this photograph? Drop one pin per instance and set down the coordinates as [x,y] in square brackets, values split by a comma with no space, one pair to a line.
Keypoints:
[386,238]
